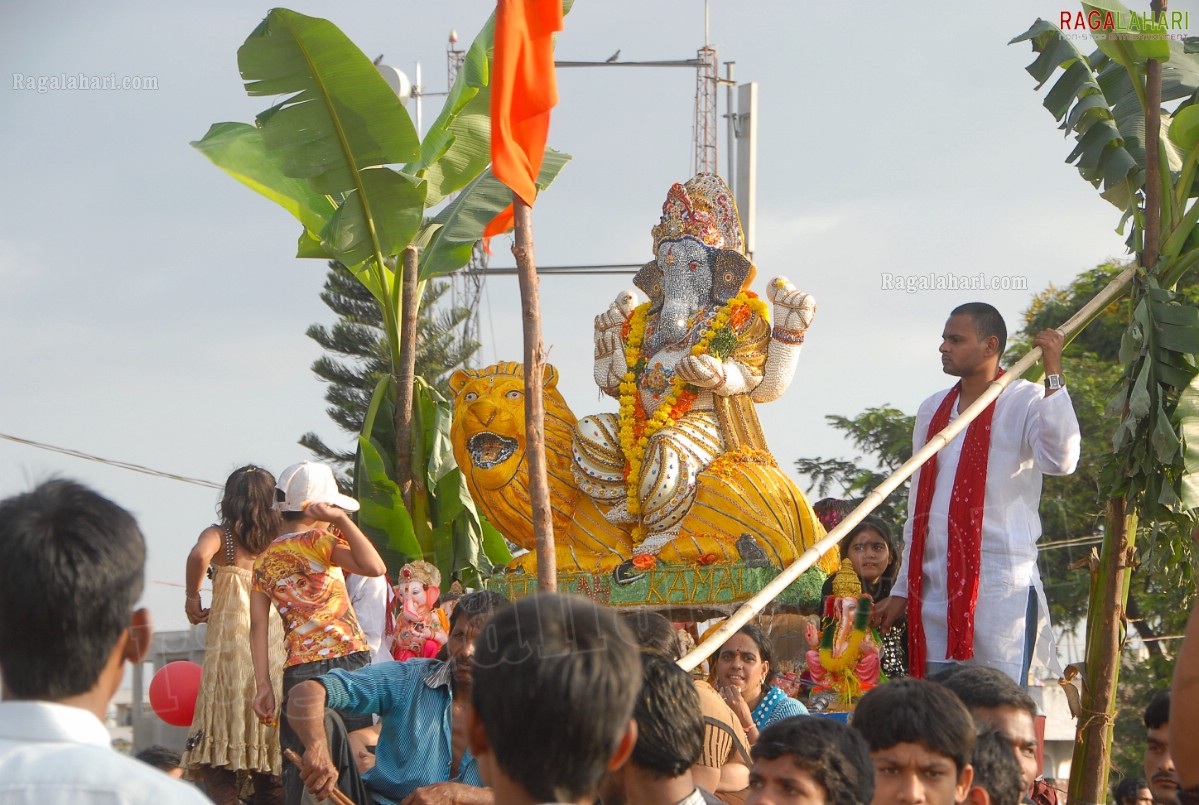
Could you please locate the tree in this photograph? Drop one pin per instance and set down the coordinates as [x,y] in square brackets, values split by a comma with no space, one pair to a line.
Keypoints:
[1111,100]
[1162,585]
[885,434]
[326,153]
[359,340]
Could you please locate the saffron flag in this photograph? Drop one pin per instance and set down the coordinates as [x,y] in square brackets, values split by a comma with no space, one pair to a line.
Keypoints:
[523,91]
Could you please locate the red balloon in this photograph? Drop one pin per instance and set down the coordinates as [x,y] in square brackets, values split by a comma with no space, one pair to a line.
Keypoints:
[173,692]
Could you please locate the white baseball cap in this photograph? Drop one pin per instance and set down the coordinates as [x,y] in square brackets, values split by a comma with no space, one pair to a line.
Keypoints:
[309,482]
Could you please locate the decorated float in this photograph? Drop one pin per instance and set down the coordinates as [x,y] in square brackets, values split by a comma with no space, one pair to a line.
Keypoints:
[675,502]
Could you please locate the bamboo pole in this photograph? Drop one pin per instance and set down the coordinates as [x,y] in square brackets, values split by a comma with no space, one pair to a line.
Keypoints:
[539,490]
[809,557]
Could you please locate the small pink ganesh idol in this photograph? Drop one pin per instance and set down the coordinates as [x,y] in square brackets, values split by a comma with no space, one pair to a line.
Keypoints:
[844,658]
[420,628]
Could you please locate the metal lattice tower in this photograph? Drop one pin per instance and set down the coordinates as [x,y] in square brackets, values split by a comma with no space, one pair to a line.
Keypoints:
[453,59]
[705,111]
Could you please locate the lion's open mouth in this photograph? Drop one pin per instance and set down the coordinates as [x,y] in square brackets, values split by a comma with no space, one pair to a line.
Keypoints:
[489,449]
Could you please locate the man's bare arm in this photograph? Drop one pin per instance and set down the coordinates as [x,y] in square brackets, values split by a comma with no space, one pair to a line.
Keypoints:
[306,713]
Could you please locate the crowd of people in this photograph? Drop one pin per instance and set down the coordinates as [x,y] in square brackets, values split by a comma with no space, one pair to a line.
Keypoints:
[552,698]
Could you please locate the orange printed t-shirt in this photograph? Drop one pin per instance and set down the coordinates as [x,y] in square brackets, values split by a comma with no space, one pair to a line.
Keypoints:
[297,573]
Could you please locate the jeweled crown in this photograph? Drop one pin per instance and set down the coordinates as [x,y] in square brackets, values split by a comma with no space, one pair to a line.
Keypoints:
[704,209]
[846,583]
[424,572]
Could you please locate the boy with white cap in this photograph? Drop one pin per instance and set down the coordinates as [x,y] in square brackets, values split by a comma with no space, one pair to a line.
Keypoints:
[300,573]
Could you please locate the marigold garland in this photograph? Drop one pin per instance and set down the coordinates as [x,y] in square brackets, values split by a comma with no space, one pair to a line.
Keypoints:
[726,462]
[636,428]
[848,659]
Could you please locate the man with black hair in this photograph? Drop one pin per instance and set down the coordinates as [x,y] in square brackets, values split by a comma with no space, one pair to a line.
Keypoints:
[555,682]
[163,759]
[422,755]
[670,737]
[995,701]
[72,572]
[723,765]
[921,738]
[1132,791]
[1163,777]
[996,773]
[810,761]
[972,525]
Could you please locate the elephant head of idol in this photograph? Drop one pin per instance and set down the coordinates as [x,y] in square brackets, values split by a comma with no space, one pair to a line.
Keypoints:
[699,258]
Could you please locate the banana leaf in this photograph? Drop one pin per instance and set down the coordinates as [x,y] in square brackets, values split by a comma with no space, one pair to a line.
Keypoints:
[1128,50]
[382,515]
[238,150]
[338,128]
[456,229]
[457,146]
[1187,416]
[1100,154]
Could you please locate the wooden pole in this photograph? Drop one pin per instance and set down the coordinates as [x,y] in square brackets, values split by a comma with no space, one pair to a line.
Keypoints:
[1091,760]
[809,557]
[406,377]
[530,305]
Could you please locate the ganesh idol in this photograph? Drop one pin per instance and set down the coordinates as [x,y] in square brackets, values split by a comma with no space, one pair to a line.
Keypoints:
[687,366]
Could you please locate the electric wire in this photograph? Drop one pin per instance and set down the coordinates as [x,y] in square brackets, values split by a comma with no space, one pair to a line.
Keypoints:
[124,465]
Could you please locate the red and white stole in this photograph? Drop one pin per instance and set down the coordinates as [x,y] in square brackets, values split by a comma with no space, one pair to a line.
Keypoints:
[965,536]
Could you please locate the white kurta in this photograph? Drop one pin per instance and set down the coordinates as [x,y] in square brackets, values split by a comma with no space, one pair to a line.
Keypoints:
[1031,435]
[368,596]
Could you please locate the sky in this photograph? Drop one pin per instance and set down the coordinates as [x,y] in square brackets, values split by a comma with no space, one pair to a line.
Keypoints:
[152,312]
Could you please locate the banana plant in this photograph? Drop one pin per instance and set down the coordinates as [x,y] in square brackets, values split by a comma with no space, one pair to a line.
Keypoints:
[340,153]
[1142,157]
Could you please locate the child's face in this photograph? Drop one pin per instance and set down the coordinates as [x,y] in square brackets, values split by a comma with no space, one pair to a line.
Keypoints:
[869,554]
[779,782]
[910,773]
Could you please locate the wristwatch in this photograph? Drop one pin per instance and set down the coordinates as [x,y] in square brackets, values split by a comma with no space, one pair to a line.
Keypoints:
[1054,382]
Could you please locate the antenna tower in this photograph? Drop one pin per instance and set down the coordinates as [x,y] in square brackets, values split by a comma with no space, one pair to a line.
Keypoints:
[705,111]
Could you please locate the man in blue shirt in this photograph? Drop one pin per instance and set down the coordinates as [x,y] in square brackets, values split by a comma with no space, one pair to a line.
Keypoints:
[422,757]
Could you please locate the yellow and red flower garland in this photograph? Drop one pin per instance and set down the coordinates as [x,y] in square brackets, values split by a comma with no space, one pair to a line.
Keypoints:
[635,428]
[844,668]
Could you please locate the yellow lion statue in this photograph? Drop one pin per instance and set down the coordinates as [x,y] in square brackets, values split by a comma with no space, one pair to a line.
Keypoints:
[746,509]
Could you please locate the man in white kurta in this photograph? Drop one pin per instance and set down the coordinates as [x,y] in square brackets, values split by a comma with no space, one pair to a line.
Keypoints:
[1034,432]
